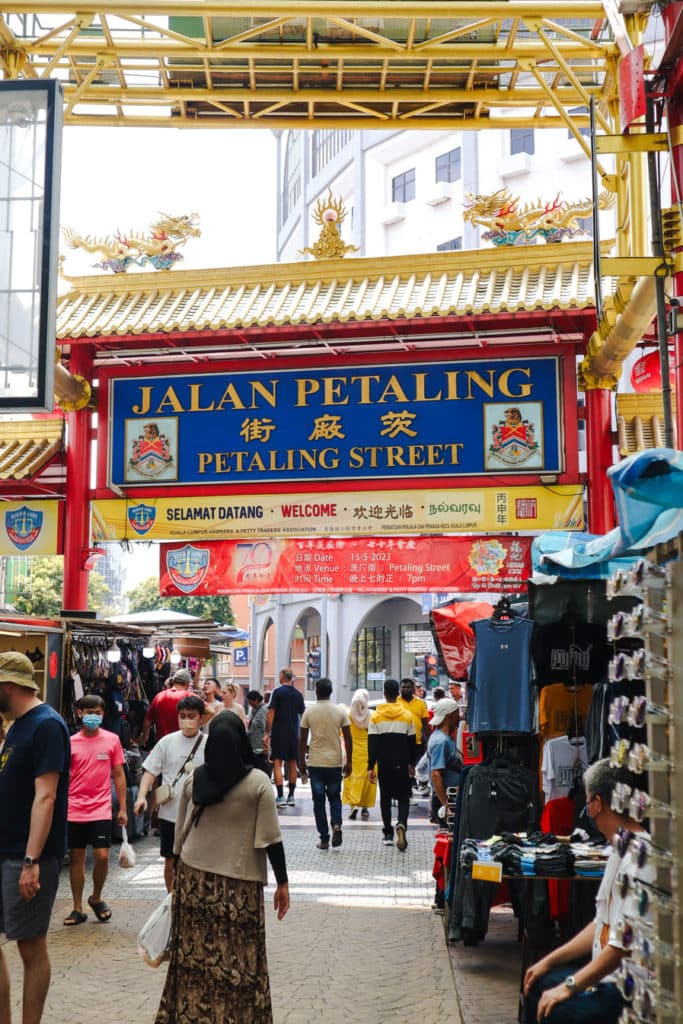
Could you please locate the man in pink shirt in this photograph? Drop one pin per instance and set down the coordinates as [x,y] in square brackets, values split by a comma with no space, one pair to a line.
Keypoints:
[96,758]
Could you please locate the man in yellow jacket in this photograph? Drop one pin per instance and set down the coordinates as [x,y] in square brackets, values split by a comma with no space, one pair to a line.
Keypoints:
[391,759]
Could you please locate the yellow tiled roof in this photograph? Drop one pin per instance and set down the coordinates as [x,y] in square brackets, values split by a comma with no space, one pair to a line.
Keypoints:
[27,446]
[640,422]
[558,277]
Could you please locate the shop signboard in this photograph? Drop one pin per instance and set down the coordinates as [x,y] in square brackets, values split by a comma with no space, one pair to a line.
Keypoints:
[460,418]
[29,528]
[346,565]
[646,373]
[340,513]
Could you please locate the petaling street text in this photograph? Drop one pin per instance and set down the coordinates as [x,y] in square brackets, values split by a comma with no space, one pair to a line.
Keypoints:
[292,460]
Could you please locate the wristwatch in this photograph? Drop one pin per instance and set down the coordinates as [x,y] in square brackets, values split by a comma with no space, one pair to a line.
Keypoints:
[570,982]
[29,861]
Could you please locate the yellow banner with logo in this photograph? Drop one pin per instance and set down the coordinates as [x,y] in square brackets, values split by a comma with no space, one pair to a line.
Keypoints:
[29,528]
[342,513]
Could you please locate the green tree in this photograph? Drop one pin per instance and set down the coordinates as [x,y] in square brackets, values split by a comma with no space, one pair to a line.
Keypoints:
[145,598]
[39,592]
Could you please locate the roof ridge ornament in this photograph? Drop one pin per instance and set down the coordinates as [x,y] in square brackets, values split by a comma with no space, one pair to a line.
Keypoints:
[158,247]
[329,213]
[510,224]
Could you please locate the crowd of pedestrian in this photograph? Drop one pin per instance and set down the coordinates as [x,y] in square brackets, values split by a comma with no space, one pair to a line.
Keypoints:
[206,778]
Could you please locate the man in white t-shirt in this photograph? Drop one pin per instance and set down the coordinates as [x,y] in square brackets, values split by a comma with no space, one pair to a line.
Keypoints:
[173,758]
[557,990]
[325,721]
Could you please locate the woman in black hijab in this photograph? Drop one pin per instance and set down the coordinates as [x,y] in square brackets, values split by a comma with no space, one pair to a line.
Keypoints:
[226,827]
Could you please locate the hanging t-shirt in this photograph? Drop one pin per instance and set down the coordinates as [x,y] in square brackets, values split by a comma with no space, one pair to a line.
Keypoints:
[166,758]
[37,743]
[558,707]
[561,756]
[92,759]
[499,688]
[566,652]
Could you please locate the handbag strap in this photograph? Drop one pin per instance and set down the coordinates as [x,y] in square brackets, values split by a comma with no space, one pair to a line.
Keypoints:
[188,758]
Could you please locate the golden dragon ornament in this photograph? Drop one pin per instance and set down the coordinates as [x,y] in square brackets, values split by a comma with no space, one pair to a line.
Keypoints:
[157,248]
[329,213]
[508,223]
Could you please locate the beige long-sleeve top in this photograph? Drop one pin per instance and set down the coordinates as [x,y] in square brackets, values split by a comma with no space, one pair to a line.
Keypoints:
[231,837]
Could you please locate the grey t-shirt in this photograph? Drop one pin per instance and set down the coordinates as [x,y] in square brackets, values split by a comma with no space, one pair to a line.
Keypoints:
[257,728]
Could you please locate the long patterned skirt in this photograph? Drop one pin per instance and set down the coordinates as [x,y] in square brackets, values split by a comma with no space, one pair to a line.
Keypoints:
[217,972]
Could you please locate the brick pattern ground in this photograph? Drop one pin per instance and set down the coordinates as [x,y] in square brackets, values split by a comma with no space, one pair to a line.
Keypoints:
[359,946]
[487,976]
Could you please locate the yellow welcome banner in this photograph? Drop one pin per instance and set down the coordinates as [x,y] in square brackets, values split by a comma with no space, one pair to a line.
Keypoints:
[330,513]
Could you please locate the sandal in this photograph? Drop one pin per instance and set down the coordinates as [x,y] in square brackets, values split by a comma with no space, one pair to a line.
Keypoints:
[354,814]
[365,814]
[101,911]
[74,918]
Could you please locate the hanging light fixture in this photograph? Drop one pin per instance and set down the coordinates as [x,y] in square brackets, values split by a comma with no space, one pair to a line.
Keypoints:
[175,657]
[147,652]
[113,653]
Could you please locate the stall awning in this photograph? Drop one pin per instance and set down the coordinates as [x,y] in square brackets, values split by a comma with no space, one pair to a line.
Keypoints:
[27,447]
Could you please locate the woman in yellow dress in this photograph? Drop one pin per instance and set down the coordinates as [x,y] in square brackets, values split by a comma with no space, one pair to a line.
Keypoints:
[358,792]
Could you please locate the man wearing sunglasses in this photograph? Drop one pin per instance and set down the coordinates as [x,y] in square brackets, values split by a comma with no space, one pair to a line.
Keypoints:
[566,987]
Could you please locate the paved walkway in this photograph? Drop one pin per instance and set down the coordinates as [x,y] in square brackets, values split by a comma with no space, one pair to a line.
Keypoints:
[359,945]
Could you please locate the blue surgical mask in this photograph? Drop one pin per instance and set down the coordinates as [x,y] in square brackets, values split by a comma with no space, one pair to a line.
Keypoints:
[92,721]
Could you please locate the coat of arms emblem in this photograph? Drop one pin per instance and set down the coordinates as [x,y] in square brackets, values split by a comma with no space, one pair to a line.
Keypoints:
[141,518]
[187,567]
[150,452]
[513,439]
[23,526]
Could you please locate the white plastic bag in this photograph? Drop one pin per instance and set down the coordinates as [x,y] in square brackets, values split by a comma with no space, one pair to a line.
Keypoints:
[127,856]
[154,940]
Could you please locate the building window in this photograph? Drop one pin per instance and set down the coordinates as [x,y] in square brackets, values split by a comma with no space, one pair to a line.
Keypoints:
[371,654]
[451,245]
[291,188]
[449,165]
[325,146]
[522,141]
[586,132]
[403,187]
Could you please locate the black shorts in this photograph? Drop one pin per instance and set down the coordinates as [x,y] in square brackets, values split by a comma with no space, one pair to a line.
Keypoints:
[166,837]
[89,833]
[284,748]
[19,919]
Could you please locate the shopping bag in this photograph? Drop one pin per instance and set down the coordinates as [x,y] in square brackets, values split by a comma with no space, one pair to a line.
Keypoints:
[154,940]
[127,856]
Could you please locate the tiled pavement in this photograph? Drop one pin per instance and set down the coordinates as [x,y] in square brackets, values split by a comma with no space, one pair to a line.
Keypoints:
[359,945]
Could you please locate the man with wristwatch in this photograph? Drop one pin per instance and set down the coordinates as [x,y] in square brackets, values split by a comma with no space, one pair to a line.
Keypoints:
[34,784]
[566,987]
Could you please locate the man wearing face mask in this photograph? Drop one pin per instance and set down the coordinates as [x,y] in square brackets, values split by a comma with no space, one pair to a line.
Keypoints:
[96,758]
[173,758]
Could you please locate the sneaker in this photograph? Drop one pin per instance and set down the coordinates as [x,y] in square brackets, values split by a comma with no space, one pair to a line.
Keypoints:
[337,835]
[323,844]
[291,802]
[401,841]
[388,841]
[281,801]
[438,909]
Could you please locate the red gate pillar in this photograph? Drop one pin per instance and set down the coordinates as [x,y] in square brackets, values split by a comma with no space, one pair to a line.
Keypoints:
[672,16]
[599,452]
[78,468]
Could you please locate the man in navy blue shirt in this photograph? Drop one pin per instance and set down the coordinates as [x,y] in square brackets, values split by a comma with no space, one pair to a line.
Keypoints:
[282,734]
[34,785]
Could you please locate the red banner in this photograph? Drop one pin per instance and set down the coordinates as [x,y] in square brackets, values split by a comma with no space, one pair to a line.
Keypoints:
[383,565]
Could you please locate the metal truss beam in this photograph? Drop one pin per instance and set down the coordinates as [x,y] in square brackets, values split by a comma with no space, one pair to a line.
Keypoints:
[319,63]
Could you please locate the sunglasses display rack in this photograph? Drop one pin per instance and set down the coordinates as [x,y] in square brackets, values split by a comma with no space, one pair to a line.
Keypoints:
[652,976]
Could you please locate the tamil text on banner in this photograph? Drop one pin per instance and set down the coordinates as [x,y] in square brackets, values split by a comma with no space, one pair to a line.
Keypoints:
[460,418]
[29,528]
[366,513]
[349,564]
